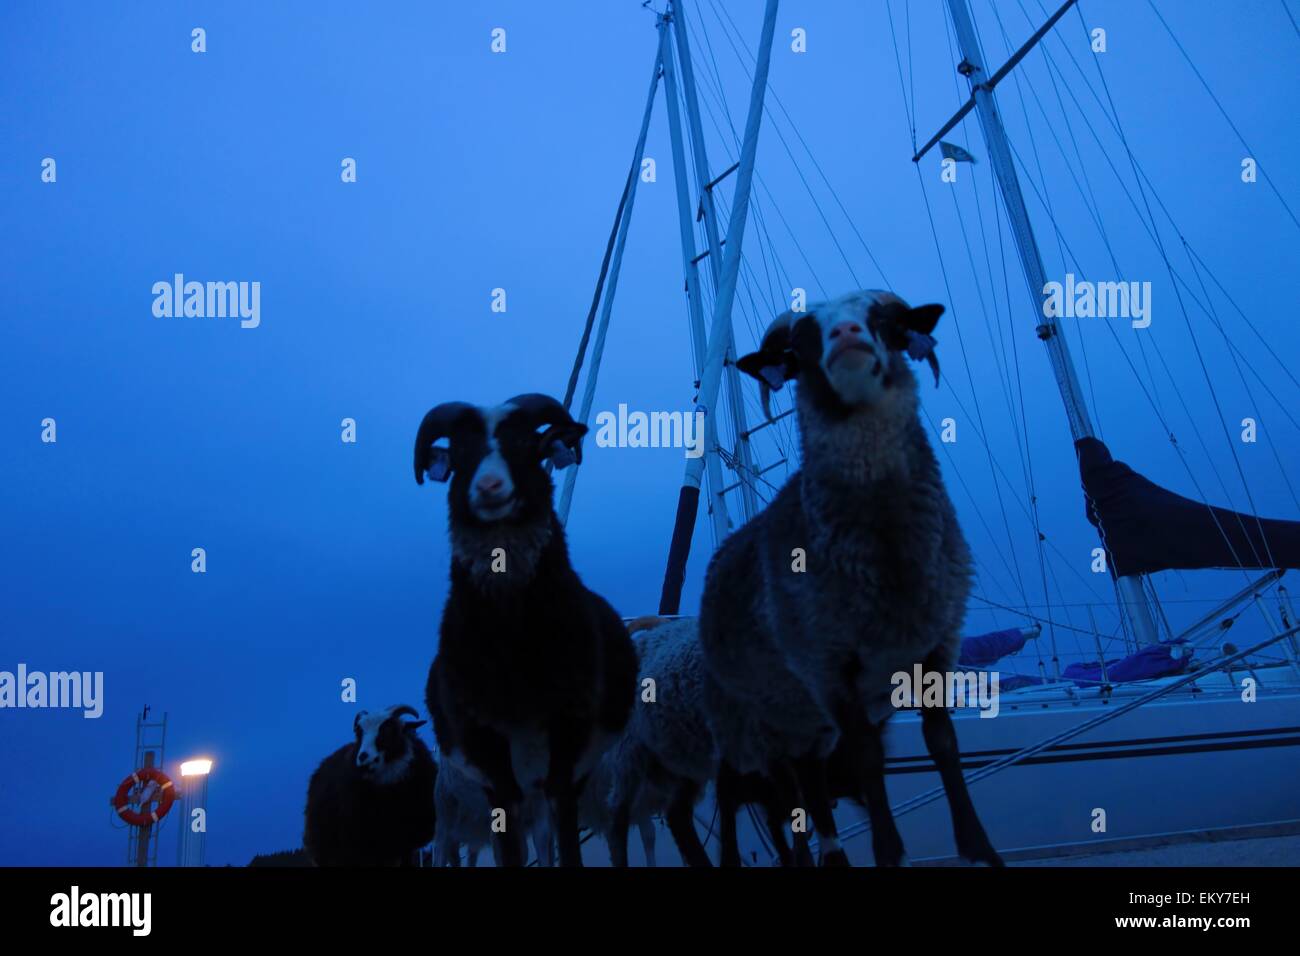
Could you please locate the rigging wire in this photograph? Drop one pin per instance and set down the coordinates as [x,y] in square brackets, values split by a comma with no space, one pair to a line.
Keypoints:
[1025,462]
[1173,441]
[812,156]
[1155,193]
[1209,382]
[943,268]
[1294,25]
[1223,112]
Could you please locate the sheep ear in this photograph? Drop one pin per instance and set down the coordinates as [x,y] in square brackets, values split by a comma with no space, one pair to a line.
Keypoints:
[411,725]
[923,318]
[771,369]
[561,444]
[356,721]
[439,464]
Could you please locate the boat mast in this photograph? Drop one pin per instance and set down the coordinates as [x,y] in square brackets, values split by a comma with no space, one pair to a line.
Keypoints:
[616,264]
[1133,596]
[719,333]
[691,269]
[735,399]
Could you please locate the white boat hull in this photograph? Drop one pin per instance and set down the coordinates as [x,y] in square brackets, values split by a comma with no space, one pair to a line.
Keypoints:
[1197,760]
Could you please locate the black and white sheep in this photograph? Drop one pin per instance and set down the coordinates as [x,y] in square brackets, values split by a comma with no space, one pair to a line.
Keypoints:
[535,675]
[370,803]
[887,569]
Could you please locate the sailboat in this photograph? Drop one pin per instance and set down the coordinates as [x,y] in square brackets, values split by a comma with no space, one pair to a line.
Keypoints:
[1212,709]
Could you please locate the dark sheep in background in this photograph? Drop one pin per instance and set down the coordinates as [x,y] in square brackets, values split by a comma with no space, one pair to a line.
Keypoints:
[370,803]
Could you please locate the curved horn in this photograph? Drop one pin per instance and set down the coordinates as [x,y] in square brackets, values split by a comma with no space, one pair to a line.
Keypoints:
[436,424]
[541,409]
[405,709]
[776,337]
[562,431]
[771,364]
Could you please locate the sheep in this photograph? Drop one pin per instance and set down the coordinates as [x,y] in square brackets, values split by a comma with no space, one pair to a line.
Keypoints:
[370,803]
[465,819]
[597,813]
[667,755]
[887,569]
[535,675]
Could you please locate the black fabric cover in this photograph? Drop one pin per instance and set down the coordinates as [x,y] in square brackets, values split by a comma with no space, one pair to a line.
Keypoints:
[1146,528]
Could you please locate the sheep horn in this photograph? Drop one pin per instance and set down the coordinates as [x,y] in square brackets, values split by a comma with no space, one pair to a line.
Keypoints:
[771,364]
[405,709]
[541,409]
[562,439]
[436,424]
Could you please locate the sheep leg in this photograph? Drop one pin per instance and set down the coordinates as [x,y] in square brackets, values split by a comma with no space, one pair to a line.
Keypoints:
[564,811]
[811,773]
[566,740]
[618,835]
[647,830]
[681,824]
[728,797]
[802,851]
[779,796]
[471,857]
[543,845]
[866,753]
[489,751]
[509,843]
[941,740]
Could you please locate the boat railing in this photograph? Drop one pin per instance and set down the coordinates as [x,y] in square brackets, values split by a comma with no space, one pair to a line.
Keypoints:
[1011,760]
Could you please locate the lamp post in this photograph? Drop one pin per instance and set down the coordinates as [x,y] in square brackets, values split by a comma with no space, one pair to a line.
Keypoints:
[192,843]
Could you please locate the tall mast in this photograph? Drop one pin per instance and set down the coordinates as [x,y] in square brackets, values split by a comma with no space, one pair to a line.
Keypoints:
[719,333]
[616,264]
[691,269]
[1133,595]
[735,399]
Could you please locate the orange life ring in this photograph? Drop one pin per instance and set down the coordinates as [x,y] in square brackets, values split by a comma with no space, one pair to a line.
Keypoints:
[166,796]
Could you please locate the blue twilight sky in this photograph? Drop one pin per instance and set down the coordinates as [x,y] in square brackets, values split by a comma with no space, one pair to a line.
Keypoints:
[477,171]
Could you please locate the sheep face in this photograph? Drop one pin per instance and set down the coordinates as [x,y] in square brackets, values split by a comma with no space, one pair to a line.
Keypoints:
[495,457]
[848,352]
[385,743]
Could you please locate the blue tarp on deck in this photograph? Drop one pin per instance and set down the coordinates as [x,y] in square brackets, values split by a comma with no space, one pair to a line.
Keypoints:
[1154,661]
[985,649]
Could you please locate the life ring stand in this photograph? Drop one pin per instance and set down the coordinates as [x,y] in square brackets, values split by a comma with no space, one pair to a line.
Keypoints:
[166,795]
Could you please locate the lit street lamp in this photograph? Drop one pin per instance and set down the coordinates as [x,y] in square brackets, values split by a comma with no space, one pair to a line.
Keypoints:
[193,840]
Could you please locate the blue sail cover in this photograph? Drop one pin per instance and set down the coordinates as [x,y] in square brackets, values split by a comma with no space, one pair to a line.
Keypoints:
[1146,528]
[985,649]
[1156,660]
